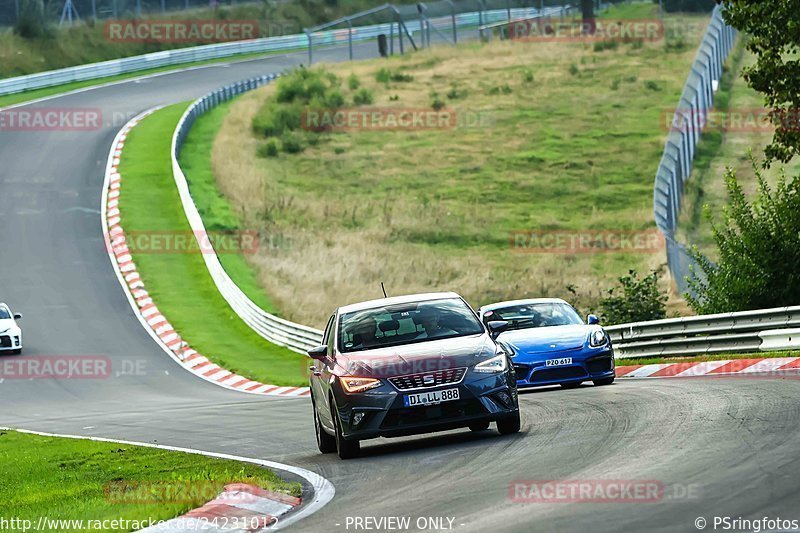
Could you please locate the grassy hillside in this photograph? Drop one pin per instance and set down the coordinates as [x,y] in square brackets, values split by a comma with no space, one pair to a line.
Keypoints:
[572,136]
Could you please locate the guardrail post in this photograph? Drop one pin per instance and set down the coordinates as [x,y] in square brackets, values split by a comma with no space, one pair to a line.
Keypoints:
[310,48]
[350,37]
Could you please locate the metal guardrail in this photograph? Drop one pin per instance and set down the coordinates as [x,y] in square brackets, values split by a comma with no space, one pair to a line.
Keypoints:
[296,337]
[746,331]
[675,167]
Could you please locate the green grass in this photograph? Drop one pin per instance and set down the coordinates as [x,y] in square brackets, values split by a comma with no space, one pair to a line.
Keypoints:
[216,211]
[62,478]
[179,282]
[703,358]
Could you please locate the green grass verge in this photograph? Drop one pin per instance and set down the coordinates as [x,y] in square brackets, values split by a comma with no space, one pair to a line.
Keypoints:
[179,282]
[216,211]
[703,358]
[69,479]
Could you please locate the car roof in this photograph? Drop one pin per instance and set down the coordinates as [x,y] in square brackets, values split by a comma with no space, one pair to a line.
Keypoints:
[508,303]
[409,298]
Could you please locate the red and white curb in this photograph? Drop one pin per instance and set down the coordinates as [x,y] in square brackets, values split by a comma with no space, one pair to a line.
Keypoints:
[141,302]
[240,507]
[773,365]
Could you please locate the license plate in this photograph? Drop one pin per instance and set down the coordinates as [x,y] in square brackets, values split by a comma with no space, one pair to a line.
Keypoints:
[430,398]
[558,362]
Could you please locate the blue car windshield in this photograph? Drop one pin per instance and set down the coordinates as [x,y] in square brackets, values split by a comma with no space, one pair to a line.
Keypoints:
[535,315]
[4,313]
[406,323]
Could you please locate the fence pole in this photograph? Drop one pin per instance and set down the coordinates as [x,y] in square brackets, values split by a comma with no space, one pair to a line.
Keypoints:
[391,38]
[310,48]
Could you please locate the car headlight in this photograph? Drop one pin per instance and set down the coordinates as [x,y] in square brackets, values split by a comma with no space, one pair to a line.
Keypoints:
[353,384]
[598,338]
[495,364]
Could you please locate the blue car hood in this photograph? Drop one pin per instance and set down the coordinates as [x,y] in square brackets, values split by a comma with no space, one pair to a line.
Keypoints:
[546,339]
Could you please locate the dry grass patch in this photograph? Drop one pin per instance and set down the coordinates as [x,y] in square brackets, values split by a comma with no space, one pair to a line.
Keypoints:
[574,149]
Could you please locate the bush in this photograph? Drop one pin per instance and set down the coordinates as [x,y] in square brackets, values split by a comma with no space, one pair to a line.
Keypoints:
[291,143]
[363,97]
[32,23]
[353,82]
[385,75]
[500,89]
[640,300]
[652,85]
[759,249]
[268,149]
[436,102]
[527,76]
[574,70]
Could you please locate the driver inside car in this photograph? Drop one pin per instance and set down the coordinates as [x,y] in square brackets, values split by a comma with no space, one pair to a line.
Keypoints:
[429,321]
[364,333]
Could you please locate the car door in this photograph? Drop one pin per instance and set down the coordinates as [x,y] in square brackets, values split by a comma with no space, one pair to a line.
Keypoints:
[321,375]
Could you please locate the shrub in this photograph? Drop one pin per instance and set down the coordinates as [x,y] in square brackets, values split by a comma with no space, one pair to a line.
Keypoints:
[640,300]
[363,97]
[500,89]
[758,245]
[268,149]
[456,93]
[291,143]
[353,82]
[32,23]
[385,75]
[574,70]
[436,102]
[527,76]
[652,85]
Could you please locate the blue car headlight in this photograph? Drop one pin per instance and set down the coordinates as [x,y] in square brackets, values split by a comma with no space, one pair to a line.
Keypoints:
[598,338]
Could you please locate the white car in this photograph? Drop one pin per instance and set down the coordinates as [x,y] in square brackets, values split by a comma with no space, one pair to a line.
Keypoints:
[10,333]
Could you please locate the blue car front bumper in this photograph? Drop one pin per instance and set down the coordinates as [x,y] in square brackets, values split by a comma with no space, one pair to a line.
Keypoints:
[586,366]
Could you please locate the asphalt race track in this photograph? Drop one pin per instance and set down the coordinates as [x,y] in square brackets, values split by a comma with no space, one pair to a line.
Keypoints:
[718,446]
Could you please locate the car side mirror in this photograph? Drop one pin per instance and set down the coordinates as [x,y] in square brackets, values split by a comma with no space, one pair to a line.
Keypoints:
[318,353]
[592,319]
[17,316]
[496,327]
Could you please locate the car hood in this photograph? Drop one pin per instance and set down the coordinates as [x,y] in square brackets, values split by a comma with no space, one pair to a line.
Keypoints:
[427,356]
[546,339]
[8,323]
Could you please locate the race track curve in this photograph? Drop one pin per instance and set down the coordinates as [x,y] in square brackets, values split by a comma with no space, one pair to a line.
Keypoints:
[731,443]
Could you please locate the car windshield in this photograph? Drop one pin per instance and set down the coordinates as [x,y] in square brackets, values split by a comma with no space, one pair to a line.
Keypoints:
[538,315]
[406,323]
[4,313]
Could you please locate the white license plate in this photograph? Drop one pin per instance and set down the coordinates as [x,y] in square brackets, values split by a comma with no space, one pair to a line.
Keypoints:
[558,362]
[430,398]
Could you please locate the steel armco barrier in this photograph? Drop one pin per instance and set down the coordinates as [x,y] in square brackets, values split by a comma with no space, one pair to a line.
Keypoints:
[282,332]
[746,331]
[675,167]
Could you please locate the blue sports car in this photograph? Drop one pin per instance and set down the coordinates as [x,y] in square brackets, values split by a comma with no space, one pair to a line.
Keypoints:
[550,345]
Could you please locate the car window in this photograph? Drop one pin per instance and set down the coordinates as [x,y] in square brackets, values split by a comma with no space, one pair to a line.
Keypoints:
[4,313]
[535,315]
[406,323]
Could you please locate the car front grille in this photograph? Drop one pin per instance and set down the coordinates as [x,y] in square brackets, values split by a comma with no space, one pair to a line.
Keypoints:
[428,380]
[556,374]
[5,341]
[599,364]
[409,416]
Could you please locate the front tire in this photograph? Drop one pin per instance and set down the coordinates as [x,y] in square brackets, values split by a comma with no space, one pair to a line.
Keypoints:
[326,443]
[605,381]
[346,449]
[510,425]
[479,426]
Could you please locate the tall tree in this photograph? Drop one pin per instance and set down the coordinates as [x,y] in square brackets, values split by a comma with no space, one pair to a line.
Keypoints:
[774,28]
